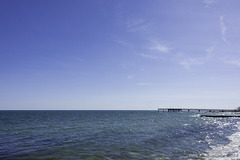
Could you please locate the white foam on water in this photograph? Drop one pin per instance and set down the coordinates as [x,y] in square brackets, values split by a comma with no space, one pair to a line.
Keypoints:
[196,115]
[231,151]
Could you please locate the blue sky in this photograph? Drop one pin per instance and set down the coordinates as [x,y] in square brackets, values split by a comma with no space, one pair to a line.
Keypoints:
[119,54]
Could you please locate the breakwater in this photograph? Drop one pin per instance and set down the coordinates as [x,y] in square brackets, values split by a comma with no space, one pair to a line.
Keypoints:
[196,110]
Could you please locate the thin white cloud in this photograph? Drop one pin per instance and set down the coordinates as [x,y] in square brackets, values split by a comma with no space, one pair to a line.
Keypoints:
[187,63]
[137,24]
[145,84]
[234,62]
[208,3]
[160,48]
[120,41]
[223,28]
[149,56]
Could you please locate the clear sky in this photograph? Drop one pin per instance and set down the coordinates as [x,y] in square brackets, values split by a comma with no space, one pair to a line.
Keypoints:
[119,54]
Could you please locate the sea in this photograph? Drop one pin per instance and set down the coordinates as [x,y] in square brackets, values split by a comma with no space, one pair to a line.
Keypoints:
[117,135]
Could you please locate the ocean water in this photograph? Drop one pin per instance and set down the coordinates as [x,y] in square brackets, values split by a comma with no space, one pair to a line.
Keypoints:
[117,135]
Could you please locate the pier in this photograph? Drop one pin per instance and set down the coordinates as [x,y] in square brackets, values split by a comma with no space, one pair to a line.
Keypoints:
[196,110]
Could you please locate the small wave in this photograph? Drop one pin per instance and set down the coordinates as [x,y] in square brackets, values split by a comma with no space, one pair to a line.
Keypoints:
[195,115]
[225,152]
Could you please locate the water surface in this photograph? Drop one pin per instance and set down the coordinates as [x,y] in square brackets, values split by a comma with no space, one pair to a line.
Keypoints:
[116,135]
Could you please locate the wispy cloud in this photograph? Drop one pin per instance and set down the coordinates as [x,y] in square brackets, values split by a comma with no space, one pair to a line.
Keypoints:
[137,24]
[234,62]
[159,47]
[223,28]
[145,84]
[149,56]
[208,3]
[120,41]
[156,50]
[187,63]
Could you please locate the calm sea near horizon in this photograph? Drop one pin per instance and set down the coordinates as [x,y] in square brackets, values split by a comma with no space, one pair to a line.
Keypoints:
[116,135]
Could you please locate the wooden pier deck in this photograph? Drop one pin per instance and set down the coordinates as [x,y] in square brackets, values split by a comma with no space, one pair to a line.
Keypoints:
[196,110]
